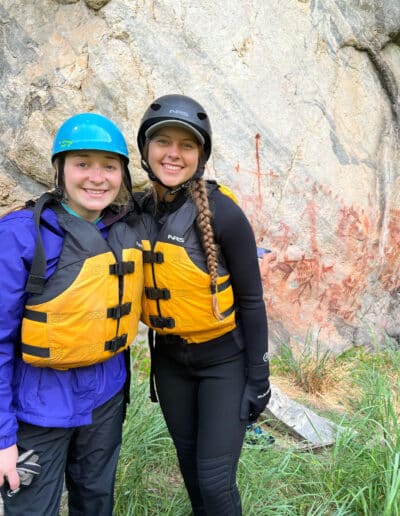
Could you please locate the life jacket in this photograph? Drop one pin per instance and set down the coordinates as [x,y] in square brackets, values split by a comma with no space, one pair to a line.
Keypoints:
[89,309]
[177,295]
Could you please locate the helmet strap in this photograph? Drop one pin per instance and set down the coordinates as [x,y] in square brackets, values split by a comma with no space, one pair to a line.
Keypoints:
[200,170]
[58,177]
[127,178]
[150,173]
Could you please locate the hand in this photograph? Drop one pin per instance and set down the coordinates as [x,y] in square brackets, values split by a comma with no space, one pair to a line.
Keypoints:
[8,467]
[27,468]
[257,393]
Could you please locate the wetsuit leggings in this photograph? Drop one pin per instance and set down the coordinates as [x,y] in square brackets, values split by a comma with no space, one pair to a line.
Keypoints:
[200,400]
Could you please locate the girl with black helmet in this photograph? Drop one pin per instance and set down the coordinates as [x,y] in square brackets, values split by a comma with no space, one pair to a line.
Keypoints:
[71,282]
[203,298]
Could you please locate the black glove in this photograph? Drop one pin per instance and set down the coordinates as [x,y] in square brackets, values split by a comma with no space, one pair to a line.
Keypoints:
[27,469]
[257,392]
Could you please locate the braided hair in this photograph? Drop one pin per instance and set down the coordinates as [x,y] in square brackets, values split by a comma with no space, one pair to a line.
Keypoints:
[198,192]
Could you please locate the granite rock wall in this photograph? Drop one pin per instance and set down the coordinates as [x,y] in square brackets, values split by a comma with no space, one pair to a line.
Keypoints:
[303,96]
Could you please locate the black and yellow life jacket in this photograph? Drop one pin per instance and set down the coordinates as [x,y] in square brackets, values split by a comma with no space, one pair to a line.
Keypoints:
[177,295]
[89,309]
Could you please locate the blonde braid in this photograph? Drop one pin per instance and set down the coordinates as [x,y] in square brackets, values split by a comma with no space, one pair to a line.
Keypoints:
[198,192]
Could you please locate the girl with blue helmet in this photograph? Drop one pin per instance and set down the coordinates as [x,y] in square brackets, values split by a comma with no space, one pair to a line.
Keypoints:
[203,299]
[71,282]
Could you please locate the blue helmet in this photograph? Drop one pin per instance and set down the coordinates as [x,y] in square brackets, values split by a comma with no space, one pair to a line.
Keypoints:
[89,131]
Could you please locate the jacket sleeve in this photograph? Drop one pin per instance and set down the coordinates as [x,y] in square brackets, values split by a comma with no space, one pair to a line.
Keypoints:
[17,241]
[236,239]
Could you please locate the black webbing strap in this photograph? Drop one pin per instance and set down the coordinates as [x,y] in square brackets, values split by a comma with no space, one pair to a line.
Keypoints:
[127,384]
[153,393]
[121,268]
[115,343]
[228,312]
[34,315]
[162,322]
[118,311]
[157,293]
[35,350]
[224,285]
[152,257]
[220,288]
[37,275]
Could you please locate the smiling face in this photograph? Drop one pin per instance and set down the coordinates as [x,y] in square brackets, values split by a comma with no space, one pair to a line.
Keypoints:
[173,156]
[92,181]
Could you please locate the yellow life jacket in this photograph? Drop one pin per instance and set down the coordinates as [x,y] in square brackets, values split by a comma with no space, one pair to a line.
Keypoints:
[177,296]
[90,307]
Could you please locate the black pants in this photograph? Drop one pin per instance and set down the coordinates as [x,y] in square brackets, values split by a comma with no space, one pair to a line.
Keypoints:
[200,388]
[86,455]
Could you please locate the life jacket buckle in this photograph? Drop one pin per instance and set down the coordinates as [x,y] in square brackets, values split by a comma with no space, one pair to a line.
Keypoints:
[162,322]
[157,293]
[116,343]
[153,257]
[121,268]
[116,312]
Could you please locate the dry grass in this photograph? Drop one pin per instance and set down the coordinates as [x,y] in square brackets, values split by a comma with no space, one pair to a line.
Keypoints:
[336,391]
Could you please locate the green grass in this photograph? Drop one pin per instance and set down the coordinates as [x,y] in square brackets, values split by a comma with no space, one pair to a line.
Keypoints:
[358,475]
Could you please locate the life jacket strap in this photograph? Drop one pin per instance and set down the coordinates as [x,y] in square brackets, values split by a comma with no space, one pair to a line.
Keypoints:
[35,350]
[121,268]
[221,287]
[35,284]
[162,322]
[157,293]
[116,312]
[34,315]
[228,312]
[153,257]
[37,274]
[153,392]
[116,343]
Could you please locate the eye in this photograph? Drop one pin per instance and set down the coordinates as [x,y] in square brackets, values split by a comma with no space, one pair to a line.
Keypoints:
[189,145]
[111,167]
[160,140]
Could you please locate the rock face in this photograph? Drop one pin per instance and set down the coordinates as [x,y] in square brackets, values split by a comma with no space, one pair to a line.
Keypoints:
[304,101]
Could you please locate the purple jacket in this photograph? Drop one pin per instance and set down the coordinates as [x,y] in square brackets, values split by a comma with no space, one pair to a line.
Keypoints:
[41,396]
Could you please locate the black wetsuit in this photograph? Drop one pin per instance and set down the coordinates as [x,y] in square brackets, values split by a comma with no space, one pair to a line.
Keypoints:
[200,386]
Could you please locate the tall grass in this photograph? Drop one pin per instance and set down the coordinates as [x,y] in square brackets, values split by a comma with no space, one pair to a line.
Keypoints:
[309,366]
[358,475]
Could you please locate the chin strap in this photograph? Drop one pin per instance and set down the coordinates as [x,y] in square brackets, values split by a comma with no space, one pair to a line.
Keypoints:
[58,190]
[58,193]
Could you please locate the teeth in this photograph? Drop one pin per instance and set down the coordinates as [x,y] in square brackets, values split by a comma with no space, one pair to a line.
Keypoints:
[95,192]
[172,167]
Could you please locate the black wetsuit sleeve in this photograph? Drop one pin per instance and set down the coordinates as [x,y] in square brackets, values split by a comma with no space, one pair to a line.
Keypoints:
[235,237]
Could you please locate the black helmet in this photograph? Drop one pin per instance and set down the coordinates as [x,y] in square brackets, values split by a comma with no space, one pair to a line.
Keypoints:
[176,110]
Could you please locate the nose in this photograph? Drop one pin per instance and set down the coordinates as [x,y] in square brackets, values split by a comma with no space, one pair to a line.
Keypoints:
[96,174]
[173,150]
